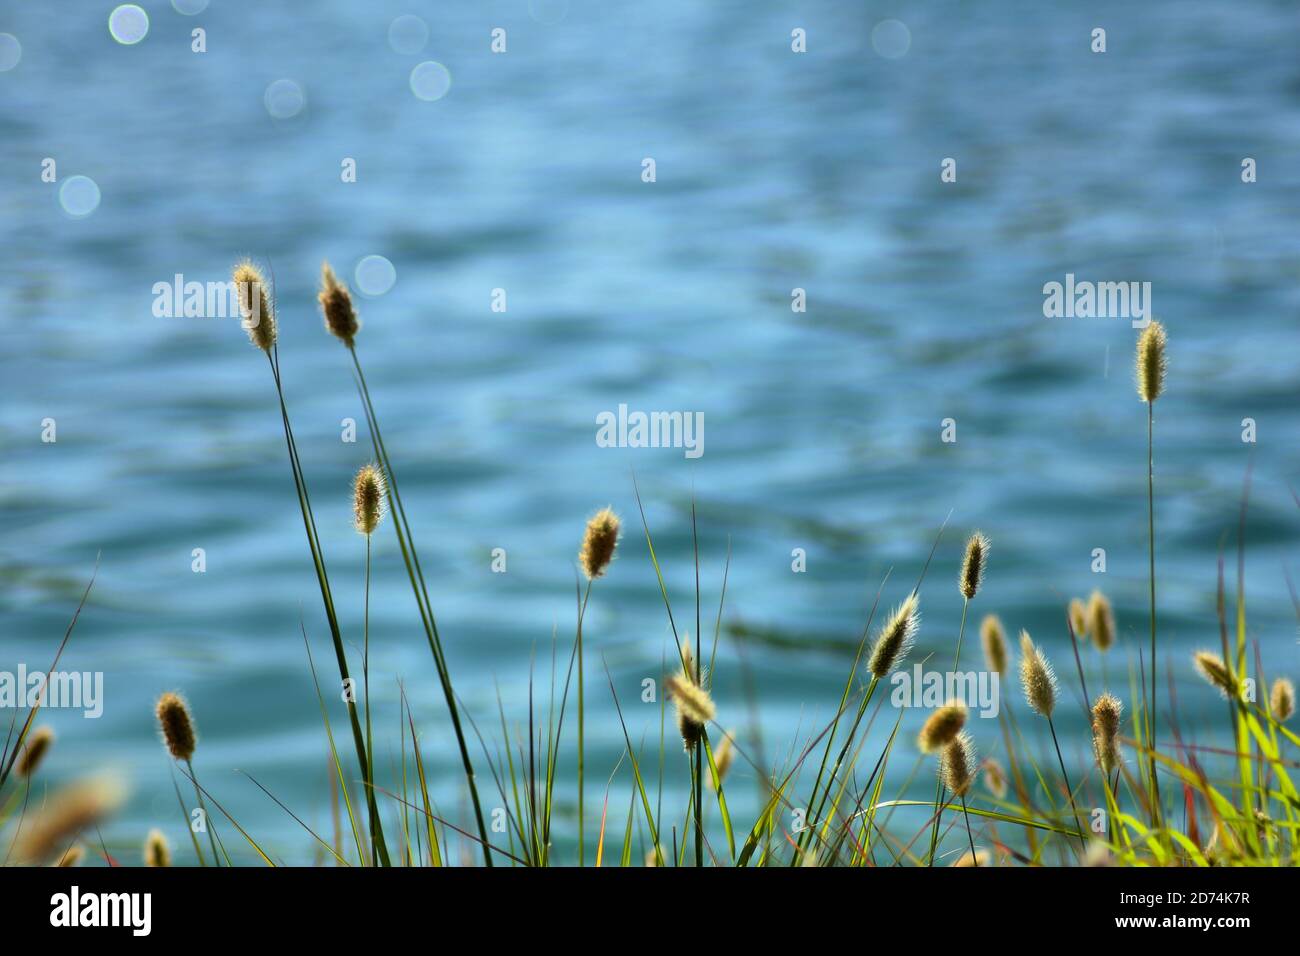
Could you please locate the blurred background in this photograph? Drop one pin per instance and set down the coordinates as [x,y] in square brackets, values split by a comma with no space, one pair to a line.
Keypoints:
[775,171]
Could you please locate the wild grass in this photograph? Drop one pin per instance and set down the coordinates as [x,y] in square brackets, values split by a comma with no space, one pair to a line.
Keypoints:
[841,794]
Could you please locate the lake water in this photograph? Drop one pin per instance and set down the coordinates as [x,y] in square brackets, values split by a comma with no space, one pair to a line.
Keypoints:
[774,171]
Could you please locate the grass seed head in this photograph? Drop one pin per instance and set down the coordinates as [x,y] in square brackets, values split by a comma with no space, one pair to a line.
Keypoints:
[72,856]
[34,750]
[177,727]
[1078,619]
[972,566]
[724,756]
[70,811]
[942,726]
[1106,714]
[368,495]
[1281,700]
[895,638]
[255,307]
[957,764]
[599,543]
[1037,677]
[980,858]
[1101,621]
[694,709]
[995,778]
[156,850]
[994,639]
[336,306]
[1216,672]
[1151,362]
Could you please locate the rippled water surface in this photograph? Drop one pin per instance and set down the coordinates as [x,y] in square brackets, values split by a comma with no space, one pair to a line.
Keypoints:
[775,171]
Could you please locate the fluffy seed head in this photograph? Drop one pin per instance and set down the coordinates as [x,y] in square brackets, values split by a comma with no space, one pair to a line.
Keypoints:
[1105,732]
[336,306]
[1151,362]
[994,639]
[980,858]
[156,850]
[995,778]
[34,751]
[942,726]
[255,308]
[1215,672]
[1281,700]
[73,856]
[972,566]
[723,756]
[368,495]
[1101,621]
[1078,619]
[177,727]
[694,709]
[598,543]
[895,638]
[71,811]
[957,764]
[1037,677]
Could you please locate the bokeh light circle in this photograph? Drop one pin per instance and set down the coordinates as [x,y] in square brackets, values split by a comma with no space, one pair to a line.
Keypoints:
[891,39]
[11,51]
[430,80]
[408,34]
[128,24]
[284,99]
[79,196]
[375,275]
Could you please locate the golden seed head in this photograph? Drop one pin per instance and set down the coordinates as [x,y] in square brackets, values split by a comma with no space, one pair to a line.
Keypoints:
[1037,677]
[1281,701]
[1101,621]
[694,709]
[1078,615]
[994,640]
[957,764]
[1215,672]
[995,778]
[723,756]
[895,639]
[1105,732]
[70,811]
[336,306]
[255,307]
[368,495]
[156,850]
[177,727]
[598,543]
[942,726]
[73,856]
[972,566]
[34,750]
[1151,362]
[979,859]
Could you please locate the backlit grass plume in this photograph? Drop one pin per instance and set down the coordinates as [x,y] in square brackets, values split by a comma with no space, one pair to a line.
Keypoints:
[1101,621]
[692,702]
[1078,619]
[71,811]
[1151,362]
[156,851]
[336,306]
[942,726]
[895,637]
[369,493]
[1106,714]
[255,307]
[1037,677]
[972,566]
[724,757]
[176,725]
[1281,700]
[72,856]
[978,858]
[34,751]
[1216,672]
[599,543]
[957,763]
[995,778]
[994,639]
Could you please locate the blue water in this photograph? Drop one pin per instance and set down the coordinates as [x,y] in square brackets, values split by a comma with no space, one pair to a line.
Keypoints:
[775,171]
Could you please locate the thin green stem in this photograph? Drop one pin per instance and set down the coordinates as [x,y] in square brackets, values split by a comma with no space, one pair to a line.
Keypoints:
[1069,791]
[941,790]
[1151,538]
[365,679]
[582,747]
